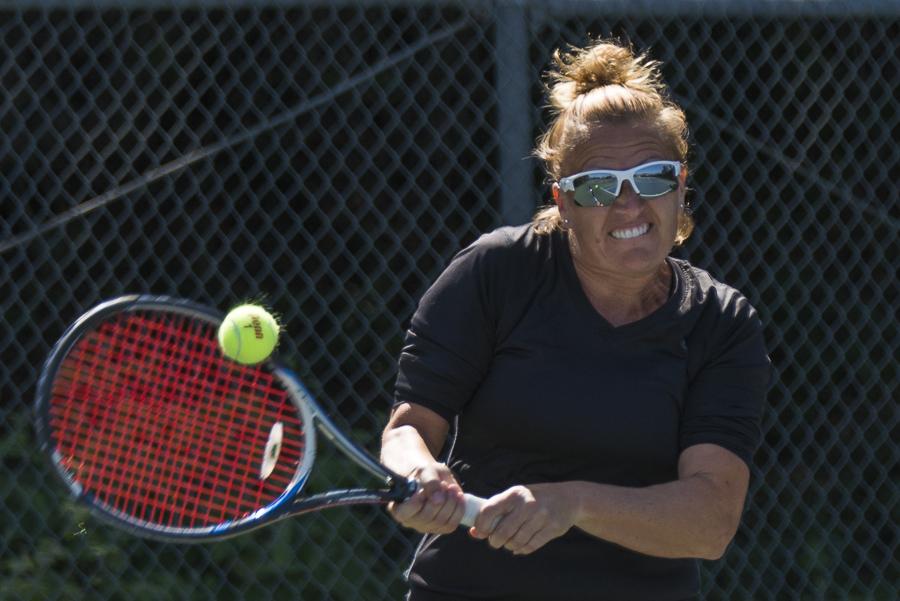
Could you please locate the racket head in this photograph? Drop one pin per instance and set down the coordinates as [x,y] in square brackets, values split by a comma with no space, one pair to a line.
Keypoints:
[149,425]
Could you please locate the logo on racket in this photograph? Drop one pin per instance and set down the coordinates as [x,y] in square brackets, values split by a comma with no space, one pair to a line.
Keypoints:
[272,451]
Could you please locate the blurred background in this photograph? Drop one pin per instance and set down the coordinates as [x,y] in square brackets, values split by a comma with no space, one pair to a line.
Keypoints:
[344,151]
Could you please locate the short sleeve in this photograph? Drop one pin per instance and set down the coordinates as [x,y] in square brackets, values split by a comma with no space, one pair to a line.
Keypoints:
[449,344]
[725,396]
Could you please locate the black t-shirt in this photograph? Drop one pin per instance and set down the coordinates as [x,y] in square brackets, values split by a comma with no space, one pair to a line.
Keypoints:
[546,390]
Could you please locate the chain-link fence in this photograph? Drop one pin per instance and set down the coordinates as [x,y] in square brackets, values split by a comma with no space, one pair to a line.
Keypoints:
[331,157]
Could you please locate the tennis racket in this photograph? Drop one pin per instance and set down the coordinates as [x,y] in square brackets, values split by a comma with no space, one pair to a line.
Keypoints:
[155,430]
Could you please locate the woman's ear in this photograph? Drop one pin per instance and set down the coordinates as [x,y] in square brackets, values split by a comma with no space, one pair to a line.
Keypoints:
[560,205]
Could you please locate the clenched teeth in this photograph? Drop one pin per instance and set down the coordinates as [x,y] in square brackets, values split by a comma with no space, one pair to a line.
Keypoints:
[632,232]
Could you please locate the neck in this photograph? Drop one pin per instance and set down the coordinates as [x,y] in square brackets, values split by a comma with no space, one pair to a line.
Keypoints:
[622,298]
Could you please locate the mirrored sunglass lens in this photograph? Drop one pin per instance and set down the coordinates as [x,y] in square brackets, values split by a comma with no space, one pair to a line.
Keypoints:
[596,190]
[656,180]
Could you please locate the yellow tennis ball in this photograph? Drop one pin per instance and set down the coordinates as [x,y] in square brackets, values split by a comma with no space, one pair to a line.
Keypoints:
[248,334]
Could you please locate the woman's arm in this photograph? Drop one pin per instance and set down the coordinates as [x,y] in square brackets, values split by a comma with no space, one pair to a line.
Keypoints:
[412,438]
[694,516]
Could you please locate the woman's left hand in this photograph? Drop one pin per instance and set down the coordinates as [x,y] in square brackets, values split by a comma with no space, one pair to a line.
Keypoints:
[522,519]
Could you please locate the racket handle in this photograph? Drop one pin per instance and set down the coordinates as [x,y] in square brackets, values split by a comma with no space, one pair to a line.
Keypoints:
[473,506]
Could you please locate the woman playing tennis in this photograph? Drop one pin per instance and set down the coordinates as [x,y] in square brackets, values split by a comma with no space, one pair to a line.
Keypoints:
[606,396]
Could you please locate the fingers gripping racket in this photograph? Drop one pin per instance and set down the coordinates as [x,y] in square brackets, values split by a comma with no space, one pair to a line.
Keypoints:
[155,430]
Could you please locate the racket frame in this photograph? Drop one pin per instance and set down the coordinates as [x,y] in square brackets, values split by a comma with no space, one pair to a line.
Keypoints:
[287,504]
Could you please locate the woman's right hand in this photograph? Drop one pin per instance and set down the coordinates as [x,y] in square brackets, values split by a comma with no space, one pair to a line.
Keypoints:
[437,505]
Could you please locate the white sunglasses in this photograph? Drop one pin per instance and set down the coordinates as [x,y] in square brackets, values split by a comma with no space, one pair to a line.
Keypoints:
[601,187]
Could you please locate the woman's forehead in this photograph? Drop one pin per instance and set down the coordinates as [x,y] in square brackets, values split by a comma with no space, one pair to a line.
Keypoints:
[615,146]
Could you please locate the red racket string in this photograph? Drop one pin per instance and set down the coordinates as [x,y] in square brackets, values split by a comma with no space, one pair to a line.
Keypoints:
[152,420]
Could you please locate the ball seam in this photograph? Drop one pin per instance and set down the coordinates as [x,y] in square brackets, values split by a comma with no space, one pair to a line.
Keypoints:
[237,337]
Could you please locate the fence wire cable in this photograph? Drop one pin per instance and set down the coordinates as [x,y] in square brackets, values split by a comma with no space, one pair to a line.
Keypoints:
[798,167]
[202,153]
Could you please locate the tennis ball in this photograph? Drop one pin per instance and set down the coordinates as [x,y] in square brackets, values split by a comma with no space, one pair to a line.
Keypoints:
[248,334]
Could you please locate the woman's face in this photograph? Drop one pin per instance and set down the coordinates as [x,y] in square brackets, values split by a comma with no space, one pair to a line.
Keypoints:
[633,236]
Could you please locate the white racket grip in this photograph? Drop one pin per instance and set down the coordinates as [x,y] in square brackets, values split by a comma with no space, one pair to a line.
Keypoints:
[473,506]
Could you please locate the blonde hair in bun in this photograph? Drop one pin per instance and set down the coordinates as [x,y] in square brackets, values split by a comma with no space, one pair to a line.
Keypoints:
[606,82]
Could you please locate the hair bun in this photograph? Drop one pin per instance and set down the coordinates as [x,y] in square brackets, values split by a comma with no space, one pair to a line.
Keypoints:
[602,64]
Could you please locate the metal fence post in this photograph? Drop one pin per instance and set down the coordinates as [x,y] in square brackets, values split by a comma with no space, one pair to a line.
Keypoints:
[514,113]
